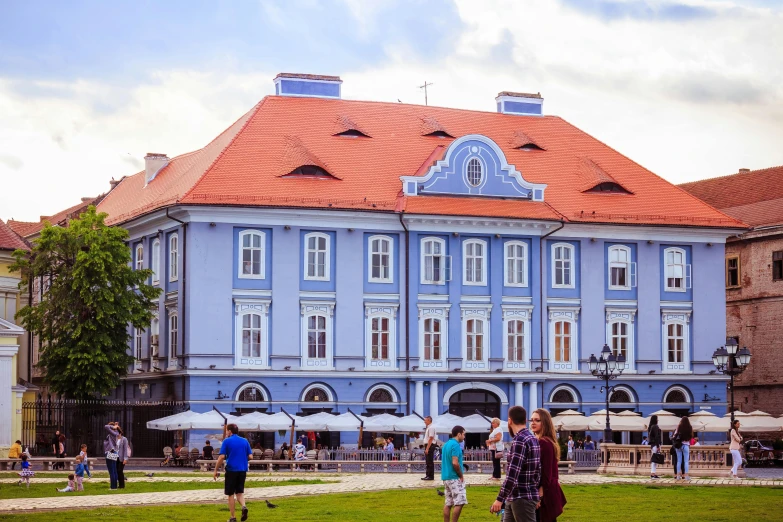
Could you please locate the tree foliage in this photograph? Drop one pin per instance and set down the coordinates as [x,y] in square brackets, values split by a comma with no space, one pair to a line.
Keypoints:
[90,297]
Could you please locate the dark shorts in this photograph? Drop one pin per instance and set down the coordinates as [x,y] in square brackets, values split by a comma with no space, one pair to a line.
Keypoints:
[235,482]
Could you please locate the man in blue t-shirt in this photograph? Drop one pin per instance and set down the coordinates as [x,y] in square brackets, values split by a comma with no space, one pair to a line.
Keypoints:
[451,474]
[236,451]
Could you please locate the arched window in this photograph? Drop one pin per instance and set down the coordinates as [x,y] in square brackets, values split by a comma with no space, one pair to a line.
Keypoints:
[562,265]
[475,259]
[675,269]
[317,257]
[251,393]
[563,395]
[475,339]
[620,267]
[316,394]
[380,261]
[563,341]
[251,335]
[139,256]
[173,257]
[516,263]
[515,341]
[155,261]
[620,396]
[433,260]
[675,396]
[381,395]
[474,172]
[432,339]
[251,254]
[173,335]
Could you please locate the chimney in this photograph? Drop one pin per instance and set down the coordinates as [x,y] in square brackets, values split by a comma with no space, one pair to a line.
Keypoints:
[308,85]
[743,171]
[87,199]
[520,103]
[153,163]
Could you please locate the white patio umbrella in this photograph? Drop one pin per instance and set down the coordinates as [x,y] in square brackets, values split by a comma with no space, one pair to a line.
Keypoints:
[408,424]
[384,423]
[276,422]
[173,422]
[344,422]
[251,421]
[210,420]
[445,422]
[702,421]
[315,422]
[618,422]
[667,421]
[569,420]
[754,421]
[477,424]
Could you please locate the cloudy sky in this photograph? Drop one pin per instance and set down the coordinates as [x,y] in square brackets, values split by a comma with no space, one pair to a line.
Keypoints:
[688,89]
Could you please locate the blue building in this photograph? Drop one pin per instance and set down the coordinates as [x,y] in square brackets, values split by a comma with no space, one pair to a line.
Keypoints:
[323,254]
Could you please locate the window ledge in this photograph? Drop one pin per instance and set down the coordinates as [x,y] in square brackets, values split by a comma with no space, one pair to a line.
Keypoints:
[565,287]
[251,276]
[515,285]
[467,283]
[307,278]
[251,367]
[676,290]
[381,281]
[620,288]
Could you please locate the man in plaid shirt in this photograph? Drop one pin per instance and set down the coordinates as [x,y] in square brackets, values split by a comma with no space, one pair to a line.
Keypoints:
[520,489]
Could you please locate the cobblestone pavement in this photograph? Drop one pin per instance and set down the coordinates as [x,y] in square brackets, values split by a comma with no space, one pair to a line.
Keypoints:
[339,484]
[770,473]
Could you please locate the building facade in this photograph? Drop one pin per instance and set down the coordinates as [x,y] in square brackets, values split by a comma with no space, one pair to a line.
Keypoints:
[324,254]
[753,278]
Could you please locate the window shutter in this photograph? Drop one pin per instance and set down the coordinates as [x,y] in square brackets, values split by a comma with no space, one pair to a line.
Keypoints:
[688,276]
[633,275]
[447,268]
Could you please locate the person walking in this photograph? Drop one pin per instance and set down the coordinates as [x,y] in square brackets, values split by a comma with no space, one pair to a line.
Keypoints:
[570,446]
[519,491]
[682,445]
[236,453]
[495,445]
[25,473]
[429,449]
[655,441]
[552,499]
[15,452]
[123,454]
[110,450]
[451,475]
[734,447]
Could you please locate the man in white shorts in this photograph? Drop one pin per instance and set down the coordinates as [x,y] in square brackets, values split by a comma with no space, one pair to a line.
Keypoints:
[451,474]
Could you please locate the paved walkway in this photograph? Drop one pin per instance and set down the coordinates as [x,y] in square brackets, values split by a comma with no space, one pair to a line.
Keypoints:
[339,484]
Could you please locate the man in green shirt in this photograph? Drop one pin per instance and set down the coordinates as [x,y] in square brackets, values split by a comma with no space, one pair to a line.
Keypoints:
[451,474]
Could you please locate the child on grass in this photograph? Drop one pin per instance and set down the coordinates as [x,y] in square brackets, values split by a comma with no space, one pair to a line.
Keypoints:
[79,472]
[70,487]
[83,455]
[26,472]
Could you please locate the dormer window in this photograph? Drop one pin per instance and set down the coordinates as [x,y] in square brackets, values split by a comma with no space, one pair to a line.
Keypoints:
[475,172]
[530,146]
[440,134]
[608,187]
[309,171]
[352,133]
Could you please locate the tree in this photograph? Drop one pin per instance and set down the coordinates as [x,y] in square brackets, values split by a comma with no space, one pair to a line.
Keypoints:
[91,295]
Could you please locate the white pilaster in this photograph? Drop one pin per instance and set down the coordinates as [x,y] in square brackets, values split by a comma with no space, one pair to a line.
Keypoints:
[519,394]
[533,398]
[6,395]
[434,408]
[418,397]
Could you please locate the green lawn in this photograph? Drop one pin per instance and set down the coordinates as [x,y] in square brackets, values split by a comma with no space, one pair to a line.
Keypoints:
[131,486]
[611,503]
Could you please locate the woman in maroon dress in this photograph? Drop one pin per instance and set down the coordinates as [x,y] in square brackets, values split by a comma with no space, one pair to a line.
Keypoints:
[552,498]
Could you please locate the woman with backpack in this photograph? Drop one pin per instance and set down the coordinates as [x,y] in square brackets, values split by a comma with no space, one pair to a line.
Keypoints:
[681,441]
[655,440]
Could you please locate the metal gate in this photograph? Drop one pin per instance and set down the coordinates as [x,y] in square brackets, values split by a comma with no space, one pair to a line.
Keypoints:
[82,422]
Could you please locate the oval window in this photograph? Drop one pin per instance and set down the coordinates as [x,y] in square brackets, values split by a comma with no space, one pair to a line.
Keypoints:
[474,172]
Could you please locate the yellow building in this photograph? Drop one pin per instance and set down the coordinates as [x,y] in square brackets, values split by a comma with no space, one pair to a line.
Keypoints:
[11,335]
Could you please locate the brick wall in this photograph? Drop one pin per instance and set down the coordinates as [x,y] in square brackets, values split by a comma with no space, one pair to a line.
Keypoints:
[754,312]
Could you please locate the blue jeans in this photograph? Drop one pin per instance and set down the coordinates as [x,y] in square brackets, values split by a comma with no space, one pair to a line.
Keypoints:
[111,466]
[683,456]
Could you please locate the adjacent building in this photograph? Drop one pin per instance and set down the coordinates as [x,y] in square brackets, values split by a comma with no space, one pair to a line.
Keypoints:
[322,254]
[753,278]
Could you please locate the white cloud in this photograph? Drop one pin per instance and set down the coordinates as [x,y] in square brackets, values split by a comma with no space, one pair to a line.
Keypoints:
[687,100]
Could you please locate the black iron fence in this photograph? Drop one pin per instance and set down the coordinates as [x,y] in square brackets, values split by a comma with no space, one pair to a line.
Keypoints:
[82,422]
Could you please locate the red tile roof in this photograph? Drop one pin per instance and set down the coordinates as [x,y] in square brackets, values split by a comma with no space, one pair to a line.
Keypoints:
[9,240]
[243,166]
[754,197]
[27,229]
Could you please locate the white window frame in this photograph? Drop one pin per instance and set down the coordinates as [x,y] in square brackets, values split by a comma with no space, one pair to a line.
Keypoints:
[173,257]
[571,266]
[686,269]
[626,389]
[676,317]
[483,258]
[628,317]
[563,387]
[381,311]
[155,261]
[389,255]
[384,387]
[138,345]
[681,389]
[477,312]
[440,313]
[569,315]
[327,256]
[482,173]
[525,315]
[443,260]
[317,308]
[262,391]
[172,336]
[154,330]
[261,252]
[628,266]
[139,262]
[509,275]
[243,307]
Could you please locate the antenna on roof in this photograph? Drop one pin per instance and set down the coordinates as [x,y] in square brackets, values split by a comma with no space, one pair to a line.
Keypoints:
[425,90]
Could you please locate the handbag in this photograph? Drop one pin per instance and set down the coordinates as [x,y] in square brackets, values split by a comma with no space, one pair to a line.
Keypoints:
[657,458]
[676,440]
[112,455]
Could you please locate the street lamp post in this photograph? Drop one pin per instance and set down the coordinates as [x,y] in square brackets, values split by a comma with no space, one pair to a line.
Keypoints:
[606,368]
[730,361]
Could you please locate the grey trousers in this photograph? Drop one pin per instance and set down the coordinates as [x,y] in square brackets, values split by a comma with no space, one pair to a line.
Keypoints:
[521,510]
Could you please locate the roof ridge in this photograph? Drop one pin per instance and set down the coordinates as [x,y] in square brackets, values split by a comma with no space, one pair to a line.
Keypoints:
[694,198]
[725,176]
[254,112]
